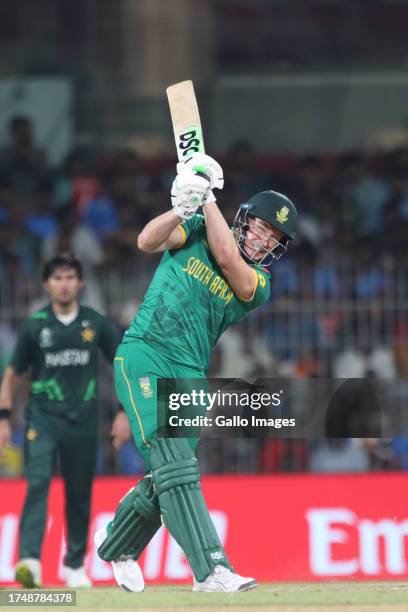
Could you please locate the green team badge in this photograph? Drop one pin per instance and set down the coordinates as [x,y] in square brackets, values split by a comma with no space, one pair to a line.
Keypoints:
[282,214]
[146,387]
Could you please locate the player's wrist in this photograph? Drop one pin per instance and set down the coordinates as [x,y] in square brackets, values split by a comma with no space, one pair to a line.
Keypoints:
[176,215]
[209,198]
[5,414]
[185,213]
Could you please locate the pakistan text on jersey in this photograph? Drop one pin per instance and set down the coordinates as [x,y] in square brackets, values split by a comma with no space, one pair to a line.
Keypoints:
[69,357]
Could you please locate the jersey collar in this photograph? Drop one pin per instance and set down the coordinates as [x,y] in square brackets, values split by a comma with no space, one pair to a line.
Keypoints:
[53,315]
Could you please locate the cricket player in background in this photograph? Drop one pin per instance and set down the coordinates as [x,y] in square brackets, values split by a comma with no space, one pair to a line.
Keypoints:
[208,279]
[59,346]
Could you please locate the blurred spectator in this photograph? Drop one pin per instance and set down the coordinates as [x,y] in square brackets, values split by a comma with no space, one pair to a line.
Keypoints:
[229,454]
[339,455]
[41,221]
[121,245]
[350,363]
[394,220]
[384,454]
[381,362]
[129,460]
[77,239]
[17,240]
[308,186]
[400,344]
[326,280]
[288,328]
[283,456]
[399,447]
[17,287]
[358,194]
[239,359]
[7,341]
[100,213]
[245,177]
[308,364]
[286,279]
[141,185]
[372,278]
[76,182]
[354,363]
[22,161]
[399,159]
[134,198]
[6,196]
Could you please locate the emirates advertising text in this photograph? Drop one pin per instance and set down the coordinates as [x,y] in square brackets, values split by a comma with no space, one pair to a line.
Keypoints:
[324,527]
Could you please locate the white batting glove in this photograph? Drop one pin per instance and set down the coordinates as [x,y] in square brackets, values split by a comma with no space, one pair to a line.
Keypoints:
[200,162]
[209,197]
[188,193]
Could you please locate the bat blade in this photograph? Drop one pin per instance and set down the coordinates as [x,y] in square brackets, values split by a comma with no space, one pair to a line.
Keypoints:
[185,118]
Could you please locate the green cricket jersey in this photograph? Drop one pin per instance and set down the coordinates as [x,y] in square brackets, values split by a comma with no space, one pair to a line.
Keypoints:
[62,360]
[189,303]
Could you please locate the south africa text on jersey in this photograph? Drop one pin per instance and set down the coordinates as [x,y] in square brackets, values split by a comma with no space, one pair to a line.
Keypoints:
[215,283]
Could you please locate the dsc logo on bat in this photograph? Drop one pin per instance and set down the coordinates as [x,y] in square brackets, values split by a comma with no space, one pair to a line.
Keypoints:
[190,142]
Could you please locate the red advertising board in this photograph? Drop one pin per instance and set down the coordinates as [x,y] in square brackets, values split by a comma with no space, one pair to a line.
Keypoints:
[276,528]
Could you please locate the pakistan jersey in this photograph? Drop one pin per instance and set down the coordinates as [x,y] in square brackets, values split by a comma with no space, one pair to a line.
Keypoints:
[62,360]
[189,303]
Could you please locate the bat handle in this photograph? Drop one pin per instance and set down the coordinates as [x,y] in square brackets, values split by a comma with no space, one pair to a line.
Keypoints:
[196,199]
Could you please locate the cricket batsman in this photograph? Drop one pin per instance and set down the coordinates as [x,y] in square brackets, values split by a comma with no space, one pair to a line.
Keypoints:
[59,345]
[209,278]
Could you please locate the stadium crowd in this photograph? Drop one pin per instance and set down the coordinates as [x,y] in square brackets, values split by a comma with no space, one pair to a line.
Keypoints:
[338,303]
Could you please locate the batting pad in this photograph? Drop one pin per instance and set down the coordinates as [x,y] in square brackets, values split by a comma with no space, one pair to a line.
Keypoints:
[177,481]
[136,520]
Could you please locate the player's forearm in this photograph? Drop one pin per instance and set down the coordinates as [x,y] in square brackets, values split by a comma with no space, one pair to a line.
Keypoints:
[220,237]
[157,231]
[8,387]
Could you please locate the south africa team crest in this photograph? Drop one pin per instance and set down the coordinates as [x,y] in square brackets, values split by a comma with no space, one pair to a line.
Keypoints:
[146,387]
[283,215]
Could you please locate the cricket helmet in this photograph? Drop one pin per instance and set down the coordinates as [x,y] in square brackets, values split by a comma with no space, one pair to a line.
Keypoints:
[276,209]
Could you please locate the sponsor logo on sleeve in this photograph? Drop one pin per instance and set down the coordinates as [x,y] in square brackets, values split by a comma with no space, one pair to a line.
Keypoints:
[146,387]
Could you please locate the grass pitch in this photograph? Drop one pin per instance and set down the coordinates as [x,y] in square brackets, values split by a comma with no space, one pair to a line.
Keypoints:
[305,597]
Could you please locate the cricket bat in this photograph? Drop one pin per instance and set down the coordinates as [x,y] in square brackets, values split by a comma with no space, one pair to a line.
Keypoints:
[185,119]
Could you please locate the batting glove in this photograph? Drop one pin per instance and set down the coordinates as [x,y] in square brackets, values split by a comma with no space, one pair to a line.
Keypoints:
[188,193]
[204,164]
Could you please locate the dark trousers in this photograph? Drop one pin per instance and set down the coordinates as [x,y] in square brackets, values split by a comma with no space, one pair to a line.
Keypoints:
[77,464]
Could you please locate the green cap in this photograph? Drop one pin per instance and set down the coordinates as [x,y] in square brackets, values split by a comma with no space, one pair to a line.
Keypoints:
[275,208]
